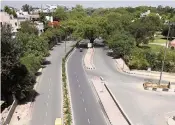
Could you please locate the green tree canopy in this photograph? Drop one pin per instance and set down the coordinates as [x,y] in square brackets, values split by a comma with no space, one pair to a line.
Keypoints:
[88,28]
[143,29]
[29,27]
[60,14]
[27,8]
[15,78]
[121,43]
[77,13]
[10,11]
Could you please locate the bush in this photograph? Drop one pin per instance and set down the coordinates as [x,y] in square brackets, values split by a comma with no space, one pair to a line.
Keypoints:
[32,63]
[143,58]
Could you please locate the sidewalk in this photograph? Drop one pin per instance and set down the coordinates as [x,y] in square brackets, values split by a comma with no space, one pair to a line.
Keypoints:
[24,111]
[152,74]
[88,59]
[114,115]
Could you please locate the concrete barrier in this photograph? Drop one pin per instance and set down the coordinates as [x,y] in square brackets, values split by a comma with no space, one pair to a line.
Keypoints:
[119,107]
[10,112]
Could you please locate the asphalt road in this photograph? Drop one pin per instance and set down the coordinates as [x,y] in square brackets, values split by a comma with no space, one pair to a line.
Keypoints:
[86,109]
[47,106]
[143,107]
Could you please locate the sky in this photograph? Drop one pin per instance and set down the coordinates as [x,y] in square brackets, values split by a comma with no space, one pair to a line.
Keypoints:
[94,4]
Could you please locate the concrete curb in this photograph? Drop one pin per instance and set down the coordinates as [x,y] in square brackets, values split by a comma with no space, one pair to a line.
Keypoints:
[159,89]
[135,74]
[119,106]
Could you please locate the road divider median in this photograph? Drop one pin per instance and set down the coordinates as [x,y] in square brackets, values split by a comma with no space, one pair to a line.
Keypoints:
[66,109]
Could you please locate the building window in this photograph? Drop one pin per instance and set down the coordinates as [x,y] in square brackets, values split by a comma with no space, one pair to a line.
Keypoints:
[15,23]
[1,24]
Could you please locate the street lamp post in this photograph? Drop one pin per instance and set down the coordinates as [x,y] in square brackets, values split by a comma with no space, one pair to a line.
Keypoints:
[165,51]
[65,40]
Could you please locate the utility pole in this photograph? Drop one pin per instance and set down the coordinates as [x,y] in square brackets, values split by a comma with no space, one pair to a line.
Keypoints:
[65,41]
[165,50]
[65,45]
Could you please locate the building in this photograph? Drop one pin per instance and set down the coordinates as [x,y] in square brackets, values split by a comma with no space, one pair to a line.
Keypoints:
[21,15]
[40,27]
[34,17]
[9,19]
[49,18]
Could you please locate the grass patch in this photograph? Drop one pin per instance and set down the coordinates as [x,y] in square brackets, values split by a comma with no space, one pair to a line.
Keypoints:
[155,48]
[160,40]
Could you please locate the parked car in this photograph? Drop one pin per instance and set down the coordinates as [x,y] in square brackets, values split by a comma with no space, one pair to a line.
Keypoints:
[81,50]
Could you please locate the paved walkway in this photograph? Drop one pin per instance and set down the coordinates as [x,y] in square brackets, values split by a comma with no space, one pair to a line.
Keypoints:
[152,74]
[23,112]
[88,59]
[113,113]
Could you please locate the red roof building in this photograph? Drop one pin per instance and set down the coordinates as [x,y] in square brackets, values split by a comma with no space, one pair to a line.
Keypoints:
[54,23]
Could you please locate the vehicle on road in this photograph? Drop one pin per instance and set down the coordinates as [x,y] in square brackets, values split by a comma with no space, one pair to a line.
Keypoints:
[81,50]
[58,121]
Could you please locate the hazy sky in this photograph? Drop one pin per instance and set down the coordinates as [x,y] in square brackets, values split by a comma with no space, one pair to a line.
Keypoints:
[91,3]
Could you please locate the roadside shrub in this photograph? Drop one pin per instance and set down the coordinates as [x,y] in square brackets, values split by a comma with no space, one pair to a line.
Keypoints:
[32,62]
[143,58]
[138,59]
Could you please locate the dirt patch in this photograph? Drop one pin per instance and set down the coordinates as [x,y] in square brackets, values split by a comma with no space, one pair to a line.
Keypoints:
[154,85]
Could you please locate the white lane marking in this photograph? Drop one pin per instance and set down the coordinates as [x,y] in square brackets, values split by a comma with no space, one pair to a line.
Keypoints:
[77,80]
[83,100]
[85,109]
[81,92]
[76,76]
[46,113]
[49,90]
[48,96]
[89,121]
[78,85]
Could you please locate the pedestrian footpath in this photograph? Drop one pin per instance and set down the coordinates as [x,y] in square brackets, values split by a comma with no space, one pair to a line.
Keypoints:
[114,115]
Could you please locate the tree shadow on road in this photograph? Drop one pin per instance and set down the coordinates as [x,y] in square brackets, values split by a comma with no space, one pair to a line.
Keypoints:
[30,97]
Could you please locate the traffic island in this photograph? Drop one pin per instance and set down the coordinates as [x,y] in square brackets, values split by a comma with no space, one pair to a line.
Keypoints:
[88,59]
[158,87]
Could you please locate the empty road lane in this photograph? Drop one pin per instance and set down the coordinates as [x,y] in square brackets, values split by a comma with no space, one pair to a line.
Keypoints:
[143,107]
[86,109]
[47,106]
